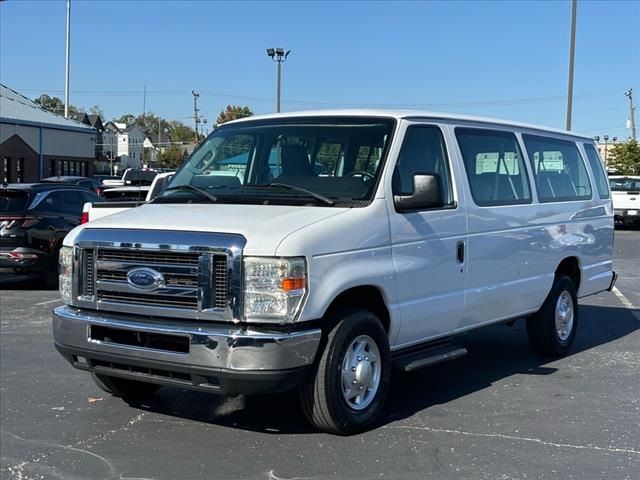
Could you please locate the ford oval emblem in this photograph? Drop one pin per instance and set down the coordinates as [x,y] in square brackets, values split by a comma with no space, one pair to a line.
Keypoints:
[145,278]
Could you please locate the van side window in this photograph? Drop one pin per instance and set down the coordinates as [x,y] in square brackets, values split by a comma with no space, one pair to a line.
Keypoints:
[495,169]
[559,169]
[423,151]
[598,173]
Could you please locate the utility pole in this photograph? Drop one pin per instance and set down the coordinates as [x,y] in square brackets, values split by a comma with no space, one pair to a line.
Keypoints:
[632,114]
[144,101]
[66,75]
[196,118]
[572,52]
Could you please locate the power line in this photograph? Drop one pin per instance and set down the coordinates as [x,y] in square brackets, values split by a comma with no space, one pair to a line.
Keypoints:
[465,104]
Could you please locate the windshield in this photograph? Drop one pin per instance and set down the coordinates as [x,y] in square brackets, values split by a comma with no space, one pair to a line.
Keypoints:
[625,184]
[12,200]
[320,161]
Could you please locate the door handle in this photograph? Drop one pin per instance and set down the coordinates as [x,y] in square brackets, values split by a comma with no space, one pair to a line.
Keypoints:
[460,251]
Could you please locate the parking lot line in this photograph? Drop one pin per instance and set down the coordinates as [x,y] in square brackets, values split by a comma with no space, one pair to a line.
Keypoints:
[626,302]
[59,300]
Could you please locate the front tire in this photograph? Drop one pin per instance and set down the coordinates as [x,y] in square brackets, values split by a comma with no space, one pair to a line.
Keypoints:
[124,388]
[346,391]
[552,329]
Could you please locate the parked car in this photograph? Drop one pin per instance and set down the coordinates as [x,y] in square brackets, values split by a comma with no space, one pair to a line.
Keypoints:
[625,192]
[84,182]
[116,203]
[34,218]
[130,178]
[417,227]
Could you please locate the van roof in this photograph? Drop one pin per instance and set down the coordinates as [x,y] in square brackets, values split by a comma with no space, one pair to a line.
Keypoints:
[406,114]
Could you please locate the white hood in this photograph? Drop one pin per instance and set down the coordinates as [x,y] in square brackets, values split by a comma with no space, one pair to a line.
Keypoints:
[264,226]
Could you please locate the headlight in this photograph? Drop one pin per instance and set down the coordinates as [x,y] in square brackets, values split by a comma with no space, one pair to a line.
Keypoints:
[66,274]
[273,288]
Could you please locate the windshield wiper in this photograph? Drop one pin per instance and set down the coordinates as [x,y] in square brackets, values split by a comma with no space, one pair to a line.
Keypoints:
[191,188]
[317,196]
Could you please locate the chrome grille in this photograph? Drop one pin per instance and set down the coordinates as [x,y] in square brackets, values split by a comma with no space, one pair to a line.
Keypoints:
[185,285]
[146,257]
[89,273]
[201,273]
[158,300]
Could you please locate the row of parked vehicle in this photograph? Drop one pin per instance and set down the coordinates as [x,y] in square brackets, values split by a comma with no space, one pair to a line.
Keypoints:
[35,217]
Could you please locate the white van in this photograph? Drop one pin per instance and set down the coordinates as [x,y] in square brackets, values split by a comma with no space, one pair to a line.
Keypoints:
[355,242]
[625,192]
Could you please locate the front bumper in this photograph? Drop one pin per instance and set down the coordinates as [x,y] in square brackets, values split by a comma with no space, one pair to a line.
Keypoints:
[214,357]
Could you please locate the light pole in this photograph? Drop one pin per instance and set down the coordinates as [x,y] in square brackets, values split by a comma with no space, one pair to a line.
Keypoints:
[572,54]
[606,142]
[278,55]
[66,69]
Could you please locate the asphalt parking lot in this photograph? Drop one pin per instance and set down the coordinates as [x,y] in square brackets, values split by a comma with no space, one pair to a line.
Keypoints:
[498,413]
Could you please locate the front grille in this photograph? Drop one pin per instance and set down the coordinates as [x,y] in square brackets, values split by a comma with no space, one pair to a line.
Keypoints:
[156,300]
[141,257]
[89,273]
[192,281]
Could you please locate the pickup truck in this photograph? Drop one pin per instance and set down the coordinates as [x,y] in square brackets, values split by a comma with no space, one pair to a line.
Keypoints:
[94,210]
[625,191]
[319,251]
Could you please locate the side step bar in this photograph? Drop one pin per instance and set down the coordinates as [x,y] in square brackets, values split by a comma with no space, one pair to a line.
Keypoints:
[427,356]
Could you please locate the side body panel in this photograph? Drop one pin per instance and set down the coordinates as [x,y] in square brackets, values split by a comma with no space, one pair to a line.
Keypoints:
[430,280]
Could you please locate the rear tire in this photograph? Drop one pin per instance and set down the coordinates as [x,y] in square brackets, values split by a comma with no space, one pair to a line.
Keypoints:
[124,388]
[552,329]
[347,388]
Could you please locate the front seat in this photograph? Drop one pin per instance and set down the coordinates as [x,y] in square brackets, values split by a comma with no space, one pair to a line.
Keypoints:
[295,161]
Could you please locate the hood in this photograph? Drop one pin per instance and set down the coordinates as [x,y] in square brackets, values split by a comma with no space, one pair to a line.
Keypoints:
[264,226]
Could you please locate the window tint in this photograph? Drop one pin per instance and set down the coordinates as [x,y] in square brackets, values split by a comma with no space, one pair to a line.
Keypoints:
[598,173]
[423,151]
[559,170]
[495,168]
[71,202]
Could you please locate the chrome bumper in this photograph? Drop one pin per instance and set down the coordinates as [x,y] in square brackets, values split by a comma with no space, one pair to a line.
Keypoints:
[206,355]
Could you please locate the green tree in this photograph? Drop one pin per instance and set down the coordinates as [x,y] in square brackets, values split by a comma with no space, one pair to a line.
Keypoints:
[625,158]
[172,157]
[233,112]
[55,104]
[96,110]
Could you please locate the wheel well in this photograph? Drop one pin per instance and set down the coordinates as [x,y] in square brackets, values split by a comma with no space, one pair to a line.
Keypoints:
[570,267]
[367,297]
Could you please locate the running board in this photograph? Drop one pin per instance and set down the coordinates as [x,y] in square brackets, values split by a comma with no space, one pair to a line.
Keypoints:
[428,356]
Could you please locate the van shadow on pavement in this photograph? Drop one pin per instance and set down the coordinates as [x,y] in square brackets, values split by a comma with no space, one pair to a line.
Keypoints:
[495,352]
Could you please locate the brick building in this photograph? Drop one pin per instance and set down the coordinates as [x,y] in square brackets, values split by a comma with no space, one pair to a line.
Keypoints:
[35,143]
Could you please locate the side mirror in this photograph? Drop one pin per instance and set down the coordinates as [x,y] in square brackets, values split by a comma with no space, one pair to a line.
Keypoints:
[427,193]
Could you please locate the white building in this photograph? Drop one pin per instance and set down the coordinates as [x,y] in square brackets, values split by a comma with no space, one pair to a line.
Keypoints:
[130,146]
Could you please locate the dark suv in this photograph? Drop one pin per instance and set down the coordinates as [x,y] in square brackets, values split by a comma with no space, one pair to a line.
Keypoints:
[34,218]
[84,182]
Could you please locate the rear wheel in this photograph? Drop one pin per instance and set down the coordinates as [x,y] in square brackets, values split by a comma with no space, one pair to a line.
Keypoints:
[552,329]
[121,387]
[346,391]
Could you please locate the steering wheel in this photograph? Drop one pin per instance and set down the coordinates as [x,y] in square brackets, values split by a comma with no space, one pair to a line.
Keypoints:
[366,176]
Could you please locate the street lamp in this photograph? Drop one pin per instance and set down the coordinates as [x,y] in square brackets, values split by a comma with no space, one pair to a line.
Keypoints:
[606,142]
[278,55]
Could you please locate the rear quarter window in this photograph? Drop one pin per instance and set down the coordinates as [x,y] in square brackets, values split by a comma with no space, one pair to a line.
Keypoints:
[598,173]
[12,200]
[560,172]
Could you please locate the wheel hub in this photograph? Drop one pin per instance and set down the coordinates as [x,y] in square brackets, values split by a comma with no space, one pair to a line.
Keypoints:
[361,372]
[564,316]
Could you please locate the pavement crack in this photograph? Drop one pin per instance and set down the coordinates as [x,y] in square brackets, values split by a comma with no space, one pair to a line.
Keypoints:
[632,451]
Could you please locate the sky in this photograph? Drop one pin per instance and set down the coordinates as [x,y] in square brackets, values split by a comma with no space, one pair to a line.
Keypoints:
[498,59]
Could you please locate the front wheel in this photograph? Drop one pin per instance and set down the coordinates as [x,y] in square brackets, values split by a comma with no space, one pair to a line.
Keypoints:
[552,329]
[346,391]
[124,388]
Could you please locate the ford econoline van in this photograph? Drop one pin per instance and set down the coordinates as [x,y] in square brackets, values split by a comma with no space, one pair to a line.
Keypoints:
[351,243]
